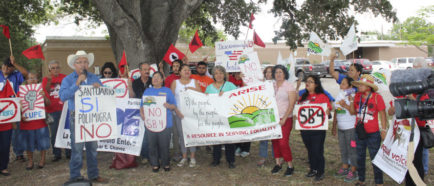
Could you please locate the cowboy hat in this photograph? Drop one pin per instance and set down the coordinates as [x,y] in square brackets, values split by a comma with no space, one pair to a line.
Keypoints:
[80,53]
[367,80]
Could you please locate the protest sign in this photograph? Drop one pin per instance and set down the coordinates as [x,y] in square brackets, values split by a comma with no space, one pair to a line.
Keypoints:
[155,113]
[317,46]
[120,85]
[291,68]
[10,110]
[95,114]
[311,117]
[251,68]
[228,52]
[350,42]
[391,158]
[241,115]
[130,129]
[32,102]
[135,73]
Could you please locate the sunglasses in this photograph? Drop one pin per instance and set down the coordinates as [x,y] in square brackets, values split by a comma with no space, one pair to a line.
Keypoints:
[108,72]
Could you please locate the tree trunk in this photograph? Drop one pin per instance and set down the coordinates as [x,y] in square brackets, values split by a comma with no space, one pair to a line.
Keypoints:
[144,28]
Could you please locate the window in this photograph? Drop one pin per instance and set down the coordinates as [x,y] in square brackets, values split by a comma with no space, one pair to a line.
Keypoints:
[411,60]
[401,60]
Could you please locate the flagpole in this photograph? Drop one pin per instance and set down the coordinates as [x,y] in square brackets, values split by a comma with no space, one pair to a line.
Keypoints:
[10,46]
[247,33]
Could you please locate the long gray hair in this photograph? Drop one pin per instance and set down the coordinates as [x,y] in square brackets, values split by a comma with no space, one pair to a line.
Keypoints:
[221,69]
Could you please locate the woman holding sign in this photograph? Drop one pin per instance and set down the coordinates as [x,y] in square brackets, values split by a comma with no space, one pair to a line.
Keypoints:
[219,86]
[285,99]
[178,86]
[314,139]
[159,140]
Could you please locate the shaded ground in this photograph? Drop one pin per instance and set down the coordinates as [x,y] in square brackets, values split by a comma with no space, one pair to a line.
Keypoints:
[246,172]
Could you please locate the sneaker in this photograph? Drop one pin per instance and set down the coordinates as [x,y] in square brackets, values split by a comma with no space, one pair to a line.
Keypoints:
[341,173]
[182,162]
[311,173]
[231,165]
[351,176]
[289,171]
[192,162]
[99,180]
[238,152]
[276,169]
[245,154]
[319,177]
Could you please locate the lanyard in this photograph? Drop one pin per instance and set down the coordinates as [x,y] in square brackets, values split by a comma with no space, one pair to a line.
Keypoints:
[362,104]
[221,88]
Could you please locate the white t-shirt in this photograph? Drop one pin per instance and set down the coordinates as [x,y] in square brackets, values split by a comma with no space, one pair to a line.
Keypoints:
[345,119]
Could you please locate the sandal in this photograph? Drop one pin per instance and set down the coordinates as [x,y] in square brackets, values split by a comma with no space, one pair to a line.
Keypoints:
[5,173]
[29,167]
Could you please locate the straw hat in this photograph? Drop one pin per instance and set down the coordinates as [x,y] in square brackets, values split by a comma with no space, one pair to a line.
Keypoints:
[80,53]
[367,80]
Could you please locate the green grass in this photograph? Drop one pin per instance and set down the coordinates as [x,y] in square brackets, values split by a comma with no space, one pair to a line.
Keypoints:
[258,117]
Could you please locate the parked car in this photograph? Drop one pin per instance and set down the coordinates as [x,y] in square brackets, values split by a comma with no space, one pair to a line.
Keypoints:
[304,68]
[367,65]
[381,64]
[340,66]
[403,62]
[429,61]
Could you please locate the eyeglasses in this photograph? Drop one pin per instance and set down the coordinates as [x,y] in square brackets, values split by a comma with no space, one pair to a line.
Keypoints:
[55,68]
[107,72]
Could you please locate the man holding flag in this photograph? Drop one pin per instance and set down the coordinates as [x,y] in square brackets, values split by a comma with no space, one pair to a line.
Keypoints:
[14,74]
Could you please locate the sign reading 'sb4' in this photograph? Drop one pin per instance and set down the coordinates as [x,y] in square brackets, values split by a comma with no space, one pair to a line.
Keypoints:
[311,117]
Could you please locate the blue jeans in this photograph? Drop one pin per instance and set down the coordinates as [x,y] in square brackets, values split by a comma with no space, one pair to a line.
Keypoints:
[372,142]
[144,153]
[17,144]
[76,162]
[425,159]
[263,148]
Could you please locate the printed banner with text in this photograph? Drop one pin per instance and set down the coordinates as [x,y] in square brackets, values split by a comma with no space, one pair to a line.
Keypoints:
[241,115]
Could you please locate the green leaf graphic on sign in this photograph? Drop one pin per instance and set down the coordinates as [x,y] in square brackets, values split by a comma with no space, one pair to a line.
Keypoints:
[315,47]
[258,117]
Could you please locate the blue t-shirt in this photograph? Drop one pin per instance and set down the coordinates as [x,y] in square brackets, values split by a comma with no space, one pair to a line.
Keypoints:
[68,87]
[170,98]
[227,86]
[301,92]
[16,78]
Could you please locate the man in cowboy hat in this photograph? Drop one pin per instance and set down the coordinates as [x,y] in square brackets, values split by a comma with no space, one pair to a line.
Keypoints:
[80,62]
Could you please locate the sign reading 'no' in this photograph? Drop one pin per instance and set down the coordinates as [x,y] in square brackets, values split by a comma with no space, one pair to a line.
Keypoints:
[311,117]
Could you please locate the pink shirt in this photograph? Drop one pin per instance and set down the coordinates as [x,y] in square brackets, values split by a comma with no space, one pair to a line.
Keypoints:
[282,97]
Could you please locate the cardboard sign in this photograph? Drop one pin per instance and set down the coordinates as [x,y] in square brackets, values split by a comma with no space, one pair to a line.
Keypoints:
[228,52]
[95,114]
[155,113]
[317,46]
[130,129]
[32,102]
[251,68]
[350,42]
[119,85]
[391,158]
[135,73]
[10,110]
[311,117]
[241,115]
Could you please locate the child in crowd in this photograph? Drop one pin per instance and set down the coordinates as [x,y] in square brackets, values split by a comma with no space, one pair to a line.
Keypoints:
[34,134]
[344,122]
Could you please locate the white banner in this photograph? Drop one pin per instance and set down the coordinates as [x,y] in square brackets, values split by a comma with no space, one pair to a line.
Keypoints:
[32,102]
[155,113]
[350,42]
[95,114]
[120,85]
[10,110]
[228,52]
[311,117]
[241,115]
[251,68]
[391,158]
[129,124]
[317,46]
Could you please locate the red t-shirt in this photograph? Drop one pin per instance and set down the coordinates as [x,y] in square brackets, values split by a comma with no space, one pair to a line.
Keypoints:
[170,79]
[203,81]
[371,116]
[5,126]
[53,94]
[33,125]
[317,98]
[238,83]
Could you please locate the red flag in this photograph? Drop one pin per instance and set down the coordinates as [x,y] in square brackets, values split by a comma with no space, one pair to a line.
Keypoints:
[6,31]
[257,40]
[252,17]
[34,52]
[7,90]
[123,63]
[195,43]
[172,54]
